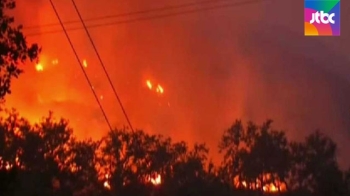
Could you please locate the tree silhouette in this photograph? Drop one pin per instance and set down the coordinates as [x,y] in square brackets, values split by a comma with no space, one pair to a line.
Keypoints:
[38,151]
[81,167]
[11,138]
[14,49]
[45,159]
[254,156]
[347,181]
[127,157]
[315,169]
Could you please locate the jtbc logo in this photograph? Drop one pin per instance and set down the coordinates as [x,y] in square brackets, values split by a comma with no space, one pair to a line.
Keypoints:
[324,17]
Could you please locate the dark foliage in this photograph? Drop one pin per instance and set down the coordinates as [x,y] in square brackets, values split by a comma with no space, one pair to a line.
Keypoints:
[45,159]
[14,49]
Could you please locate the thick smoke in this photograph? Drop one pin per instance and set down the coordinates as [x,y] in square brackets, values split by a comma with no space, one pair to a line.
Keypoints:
[250,62]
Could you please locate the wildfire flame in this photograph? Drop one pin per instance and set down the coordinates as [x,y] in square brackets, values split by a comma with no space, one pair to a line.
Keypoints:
[85,63]
[270,188]
[107,185]
[149,84]
[44,61]
[39,67]
[55,61]
[157,180]
[159,88]
[267,187]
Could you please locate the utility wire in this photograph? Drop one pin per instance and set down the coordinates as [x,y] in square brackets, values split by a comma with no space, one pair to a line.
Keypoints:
[227,5]
[81,65]
[165,8]
[103,66]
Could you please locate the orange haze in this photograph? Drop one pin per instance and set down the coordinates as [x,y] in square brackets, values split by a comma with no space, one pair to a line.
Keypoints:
[250,62]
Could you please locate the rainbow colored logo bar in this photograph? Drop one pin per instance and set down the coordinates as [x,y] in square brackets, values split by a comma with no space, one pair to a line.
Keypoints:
[322,18]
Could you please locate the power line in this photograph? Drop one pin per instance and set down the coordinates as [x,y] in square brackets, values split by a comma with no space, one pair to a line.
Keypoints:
[81,65]
[184,5]
[102,64]
[228,5]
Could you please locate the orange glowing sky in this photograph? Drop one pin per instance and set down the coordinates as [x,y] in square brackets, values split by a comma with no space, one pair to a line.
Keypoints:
[214,66]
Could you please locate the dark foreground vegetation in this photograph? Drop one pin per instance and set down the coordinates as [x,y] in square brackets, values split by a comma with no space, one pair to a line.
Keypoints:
[46,160]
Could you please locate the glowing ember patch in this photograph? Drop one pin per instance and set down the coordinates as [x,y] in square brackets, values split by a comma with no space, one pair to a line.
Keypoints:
[39,67]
